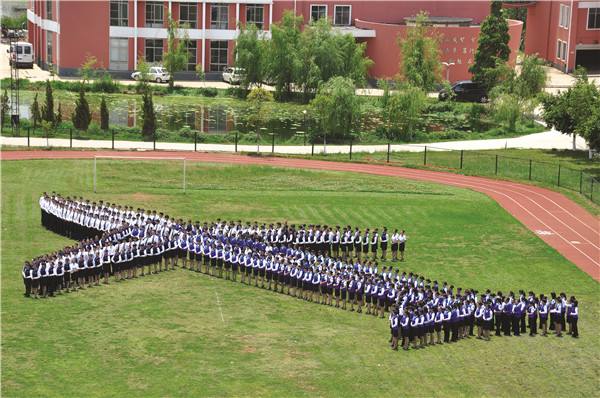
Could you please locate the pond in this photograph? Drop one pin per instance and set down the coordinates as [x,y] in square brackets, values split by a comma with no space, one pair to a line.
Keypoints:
[217,118]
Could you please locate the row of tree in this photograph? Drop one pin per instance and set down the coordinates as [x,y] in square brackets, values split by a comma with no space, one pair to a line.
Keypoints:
[298,59]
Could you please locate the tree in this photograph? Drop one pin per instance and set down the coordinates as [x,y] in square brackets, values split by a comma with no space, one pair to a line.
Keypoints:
[403,113]
[88,69]
[4,107]
[36,116]
[176,57]
[572,112]
[58,119]
[48,107]
[492,48]
[282,54]
[420,65]
[148,116]
[532,79]
[336,107]
[144,69]
[200,73]
[250,49]
[508,110]
[103,115]
[82,116]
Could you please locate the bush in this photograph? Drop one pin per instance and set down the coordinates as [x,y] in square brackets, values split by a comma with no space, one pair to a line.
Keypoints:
[208,91]
[105,84]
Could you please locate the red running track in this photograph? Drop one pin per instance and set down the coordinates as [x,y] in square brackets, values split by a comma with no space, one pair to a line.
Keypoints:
[558,221]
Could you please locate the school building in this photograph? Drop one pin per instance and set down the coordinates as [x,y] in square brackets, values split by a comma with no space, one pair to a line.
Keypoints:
[118,32]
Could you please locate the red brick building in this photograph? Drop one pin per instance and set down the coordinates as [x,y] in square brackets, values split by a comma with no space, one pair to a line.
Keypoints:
[118,32]
[566,33]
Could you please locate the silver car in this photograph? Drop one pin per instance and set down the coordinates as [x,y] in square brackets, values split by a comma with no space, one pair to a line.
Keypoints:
[156,74]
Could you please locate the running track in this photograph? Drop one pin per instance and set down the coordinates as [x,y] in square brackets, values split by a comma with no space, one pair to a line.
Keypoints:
[558,221]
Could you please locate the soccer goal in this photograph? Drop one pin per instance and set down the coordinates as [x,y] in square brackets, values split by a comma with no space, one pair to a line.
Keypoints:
[139,172]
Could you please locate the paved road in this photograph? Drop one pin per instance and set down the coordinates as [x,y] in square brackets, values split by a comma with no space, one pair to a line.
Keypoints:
[546,140]
[555,219]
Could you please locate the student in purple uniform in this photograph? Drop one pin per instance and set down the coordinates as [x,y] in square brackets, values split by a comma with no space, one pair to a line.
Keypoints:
[394,328]
[487,317]
[573,317]
[532,317]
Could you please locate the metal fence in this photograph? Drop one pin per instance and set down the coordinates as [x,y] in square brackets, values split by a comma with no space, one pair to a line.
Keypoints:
[470,162]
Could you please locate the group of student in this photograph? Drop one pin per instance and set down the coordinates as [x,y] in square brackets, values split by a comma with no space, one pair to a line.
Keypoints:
[315,263]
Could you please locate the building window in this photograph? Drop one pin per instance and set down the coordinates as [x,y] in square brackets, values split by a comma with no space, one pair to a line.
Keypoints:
[255,15]
[188,14]
[342,15]
[219,16]
[318,12]
[218,55]
[118,13]
[561,50]
[191,47]
[48,9]
[49,47]
[564,16]
[119,54]
[593,21]
[154,50]
[154,14]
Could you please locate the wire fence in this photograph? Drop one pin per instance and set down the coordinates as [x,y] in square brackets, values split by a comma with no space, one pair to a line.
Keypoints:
[470,162]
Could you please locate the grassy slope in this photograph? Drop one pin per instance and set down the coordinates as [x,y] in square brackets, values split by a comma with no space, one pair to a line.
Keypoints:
[163,335]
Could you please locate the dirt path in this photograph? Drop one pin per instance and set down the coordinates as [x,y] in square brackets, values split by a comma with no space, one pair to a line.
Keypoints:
[558,221]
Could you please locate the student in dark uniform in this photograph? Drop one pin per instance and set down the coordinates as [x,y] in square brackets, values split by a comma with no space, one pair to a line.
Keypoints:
[26,273]
[487,317]
[402,244]
[394,328]
[573,315]
[532,317]
[384,244]
[374,243]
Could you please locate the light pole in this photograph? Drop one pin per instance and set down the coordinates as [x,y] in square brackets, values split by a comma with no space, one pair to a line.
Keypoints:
[304,112]
[448,65]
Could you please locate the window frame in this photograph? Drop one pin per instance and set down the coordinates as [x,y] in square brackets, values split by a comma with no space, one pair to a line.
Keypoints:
[192,23]
[154,49]
[597,18]
[349,14]
[219,65]
[192,60]
[318,5]
[260,25]
[218,23]
[111,52]
[49,10]
[49,47]
[119,19]
[154,5]
[564,12]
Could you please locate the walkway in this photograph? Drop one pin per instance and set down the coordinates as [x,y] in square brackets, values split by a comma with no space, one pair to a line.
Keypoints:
[558,221]
[546,140]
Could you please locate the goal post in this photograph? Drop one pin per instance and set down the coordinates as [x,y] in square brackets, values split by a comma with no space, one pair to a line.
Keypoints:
[141,159]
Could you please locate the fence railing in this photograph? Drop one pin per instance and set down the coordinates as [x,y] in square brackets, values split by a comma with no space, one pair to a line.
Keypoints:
[470,162]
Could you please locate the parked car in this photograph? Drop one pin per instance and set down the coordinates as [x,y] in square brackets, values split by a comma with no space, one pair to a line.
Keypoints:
[21,54]
[156,74]
[233,75]
[466,90]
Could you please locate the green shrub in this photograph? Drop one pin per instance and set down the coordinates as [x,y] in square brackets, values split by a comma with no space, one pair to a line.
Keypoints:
[208,91]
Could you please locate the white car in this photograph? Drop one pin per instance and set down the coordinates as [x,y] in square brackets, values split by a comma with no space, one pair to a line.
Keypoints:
[155,73]
[233,75]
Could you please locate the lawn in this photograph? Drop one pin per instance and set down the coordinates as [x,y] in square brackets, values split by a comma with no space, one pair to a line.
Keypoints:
[183,334]
[570,172]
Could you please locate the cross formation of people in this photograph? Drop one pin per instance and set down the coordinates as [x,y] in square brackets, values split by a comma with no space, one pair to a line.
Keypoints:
[334,266]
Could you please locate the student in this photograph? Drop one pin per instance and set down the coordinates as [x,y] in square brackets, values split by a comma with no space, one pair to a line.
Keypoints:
[395,241]
[374,244]
[487,317]
[384,243]
[405,325]
[394,327]
[26,273]
[573,317]
[543,313]
[479,320]
[402,244]
[532,317]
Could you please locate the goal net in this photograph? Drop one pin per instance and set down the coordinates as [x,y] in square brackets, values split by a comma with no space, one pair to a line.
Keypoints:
[113,174]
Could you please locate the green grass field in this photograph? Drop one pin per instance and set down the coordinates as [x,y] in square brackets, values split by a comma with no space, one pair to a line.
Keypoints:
[183,334]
